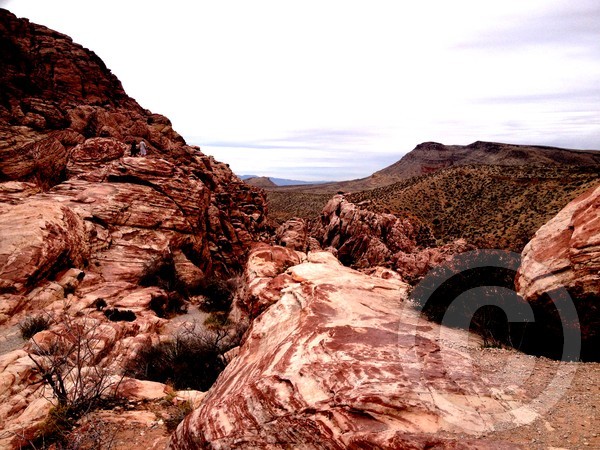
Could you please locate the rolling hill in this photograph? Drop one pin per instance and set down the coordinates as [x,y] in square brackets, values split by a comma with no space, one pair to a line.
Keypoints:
[429,157]
[491,206]
[494,195]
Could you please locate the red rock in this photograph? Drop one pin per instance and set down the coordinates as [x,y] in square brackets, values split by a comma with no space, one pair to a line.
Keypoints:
[92,153]
[364,239]
[38,239]
[293,234]
[565,253]
[332,364]
[265,276]
[81,221]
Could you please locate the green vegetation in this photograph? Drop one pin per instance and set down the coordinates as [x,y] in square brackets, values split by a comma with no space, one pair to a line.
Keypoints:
[283,205]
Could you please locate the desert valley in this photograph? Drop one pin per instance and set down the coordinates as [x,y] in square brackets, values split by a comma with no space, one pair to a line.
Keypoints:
[447,301]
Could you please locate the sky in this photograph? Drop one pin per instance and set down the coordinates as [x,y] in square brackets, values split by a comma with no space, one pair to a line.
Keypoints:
[334,90]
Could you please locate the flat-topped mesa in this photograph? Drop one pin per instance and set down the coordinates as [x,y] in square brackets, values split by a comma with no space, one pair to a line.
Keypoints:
[430,157]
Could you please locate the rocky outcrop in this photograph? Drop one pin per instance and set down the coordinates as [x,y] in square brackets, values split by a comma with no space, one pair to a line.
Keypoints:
[338,361]
[84,224]
[293,234]
[65,116]
[38,238]
[364,239]
[565,253]
[265,276]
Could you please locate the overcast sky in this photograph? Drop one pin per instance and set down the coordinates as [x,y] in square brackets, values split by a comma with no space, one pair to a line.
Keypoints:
[339,89]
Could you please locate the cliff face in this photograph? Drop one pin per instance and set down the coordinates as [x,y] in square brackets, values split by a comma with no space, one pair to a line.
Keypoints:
[64,116]
[83,221]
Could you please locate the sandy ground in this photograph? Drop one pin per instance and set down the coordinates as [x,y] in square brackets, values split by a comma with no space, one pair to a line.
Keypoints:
[565,395]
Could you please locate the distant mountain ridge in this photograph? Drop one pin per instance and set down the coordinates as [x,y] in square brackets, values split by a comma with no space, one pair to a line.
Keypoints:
[263,182]
[430,157]
[281,181]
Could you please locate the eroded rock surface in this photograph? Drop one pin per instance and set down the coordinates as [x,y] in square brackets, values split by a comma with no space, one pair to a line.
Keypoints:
[64,115]
[293,234]
[364,239]
[82,222]
[339,361]
[565,253]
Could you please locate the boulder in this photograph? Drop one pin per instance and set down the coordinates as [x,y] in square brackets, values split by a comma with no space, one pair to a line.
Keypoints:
[565,253]
[293,234]
[39,238]
[334,363]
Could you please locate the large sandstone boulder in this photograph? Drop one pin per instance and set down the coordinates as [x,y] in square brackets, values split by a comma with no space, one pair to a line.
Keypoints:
[293,234]
[565,253]
[265,276]
[339,362]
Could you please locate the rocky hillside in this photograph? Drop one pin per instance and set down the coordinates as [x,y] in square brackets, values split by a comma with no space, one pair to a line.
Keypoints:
[63,115]
[490,206]
[97,244]
[431,156]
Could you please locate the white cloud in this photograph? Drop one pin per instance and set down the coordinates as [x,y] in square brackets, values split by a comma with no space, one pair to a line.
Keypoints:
[396,73]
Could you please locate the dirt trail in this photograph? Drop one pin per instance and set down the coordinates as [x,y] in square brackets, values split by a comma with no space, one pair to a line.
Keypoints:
[570,407]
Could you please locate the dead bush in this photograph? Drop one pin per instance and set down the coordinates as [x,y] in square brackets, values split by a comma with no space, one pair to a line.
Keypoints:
[193,359]
[32,325]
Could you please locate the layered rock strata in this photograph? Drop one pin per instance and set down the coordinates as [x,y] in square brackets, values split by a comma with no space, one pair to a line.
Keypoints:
[565,254]
[339,361]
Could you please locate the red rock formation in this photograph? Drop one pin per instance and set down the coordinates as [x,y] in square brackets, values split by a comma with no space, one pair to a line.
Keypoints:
[81,220]
[565,253]
[338,362]
[293,234]
[265,276]
[63,114]
[365,239]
